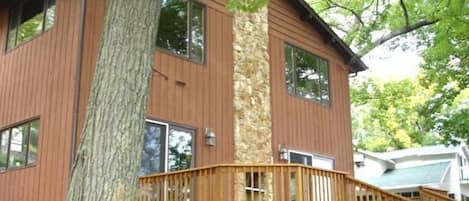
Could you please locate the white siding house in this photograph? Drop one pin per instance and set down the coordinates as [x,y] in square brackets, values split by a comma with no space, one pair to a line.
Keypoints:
[404,171]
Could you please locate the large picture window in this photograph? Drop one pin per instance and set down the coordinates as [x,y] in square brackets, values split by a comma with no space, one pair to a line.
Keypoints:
[19,145]
[166,148]
[28,20]
[307,75]
[181,29]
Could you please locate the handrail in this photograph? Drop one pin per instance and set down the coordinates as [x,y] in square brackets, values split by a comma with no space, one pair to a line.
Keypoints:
[259,182]
[378,189]
[239,165]
[429,195]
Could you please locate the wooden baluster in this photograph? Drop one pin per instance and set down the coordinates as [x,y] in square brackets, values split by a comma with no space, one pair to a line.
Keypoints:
[327,178]
[262,186]
[219,184]
[203,185]
[299,186]
[314,185]
[282,183]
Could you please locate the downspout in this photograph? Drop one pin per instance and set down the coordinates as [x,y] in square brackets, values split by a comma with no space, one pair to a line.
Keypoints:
[76,98]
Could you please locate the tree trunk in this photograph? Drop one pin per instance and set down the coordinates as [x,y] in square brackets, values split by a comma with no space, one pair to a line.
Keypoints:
[107,163]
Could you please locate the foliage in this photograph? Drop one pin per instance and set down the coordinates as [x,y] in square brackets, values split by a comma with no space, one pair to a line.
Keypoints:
[446,72]
[453,122]
[440,27]
[247,5]
[366,24]
[3,161]
[385,115]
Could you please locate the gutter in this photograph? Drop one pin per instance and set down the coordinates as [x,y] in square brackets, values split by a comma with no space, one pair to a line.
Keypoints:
[78,69]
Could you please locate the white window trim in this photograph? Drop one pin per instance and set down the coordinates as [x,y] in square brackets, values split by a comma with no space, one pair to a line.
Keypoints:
[166,140]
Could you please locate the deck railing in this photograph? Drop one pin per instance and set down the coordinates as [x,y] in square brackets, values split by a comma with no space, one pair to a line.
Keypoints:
[430,195]
[281,182]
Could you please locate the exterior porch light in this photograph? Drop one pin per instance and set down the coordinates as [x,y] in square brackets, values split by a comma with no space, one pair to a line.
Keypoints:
[210,137]
[283,152]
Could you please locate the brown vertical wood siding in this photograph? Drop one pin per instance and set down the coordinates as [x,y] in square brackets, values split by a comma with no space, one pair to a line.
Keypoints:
[298,123]
[205,100]
[37,80]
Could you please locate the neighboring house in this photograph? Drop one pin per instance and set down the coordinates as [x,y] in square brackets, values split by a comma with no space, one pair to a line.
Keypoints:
[299,83]
[404,171]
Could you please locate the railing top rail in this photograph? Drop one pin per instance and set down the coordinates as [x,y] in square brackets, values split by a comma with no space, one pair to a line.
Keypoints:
[211,167]
[378,189]
[435,194]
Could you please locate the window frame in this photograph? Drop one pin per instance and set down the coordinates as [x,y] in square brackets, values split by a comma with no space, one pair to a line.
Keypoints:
[300,153]
[189,35]
[9,129]
[313,156]
[19,7]
[295,48]
[168,126]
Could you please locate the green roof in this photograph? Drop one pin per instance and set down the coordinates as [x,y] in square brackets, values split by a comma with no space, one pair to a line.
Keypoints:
[412,176]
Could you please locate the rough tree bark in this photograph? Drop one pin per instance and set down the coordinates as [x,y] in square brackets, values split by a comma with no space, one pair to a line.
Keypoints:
[108,158]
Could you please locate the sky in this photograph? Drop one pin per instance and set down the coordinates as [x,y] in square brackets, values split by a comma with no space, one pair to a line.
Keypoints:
[391,64]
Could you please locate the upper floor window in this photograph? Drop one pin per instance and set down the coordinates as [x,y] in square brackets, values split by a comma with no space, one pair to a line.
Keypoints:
[19,145]
[181,29]
[307,75]
[28,20]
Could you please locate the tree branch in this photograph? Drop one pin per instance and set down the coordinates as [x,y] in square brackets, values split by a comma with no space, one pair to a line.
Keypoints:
[368,6]
[406,14]
[357,16]
[395,34]
[326,9]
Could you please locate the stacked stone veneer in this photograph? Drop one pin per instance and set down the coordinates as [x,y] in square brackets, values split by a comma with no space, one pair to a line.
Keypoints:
[252,109]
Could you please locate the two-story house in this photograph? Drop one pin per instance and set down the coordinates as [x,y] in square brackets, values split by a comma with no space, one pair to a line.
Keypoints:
[204,102]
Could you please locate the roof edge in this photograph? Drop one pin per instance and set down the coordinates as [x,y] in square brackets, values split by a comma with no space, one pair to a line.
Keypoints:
[373,155]
[351,59]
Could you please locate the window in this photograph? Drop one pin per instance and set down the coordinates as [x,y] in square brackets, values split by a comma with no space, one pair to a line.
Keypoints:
[464,198]
[406,194]
[306,75]
[166,148]
[301,158]
[311,160]
[19,145]
[452,196]
[181,29]
[29,19]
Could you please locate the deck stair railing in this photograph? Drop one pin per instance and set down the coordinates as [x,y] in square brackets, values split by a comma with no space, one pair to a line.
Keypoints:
[430,195]
[273,182]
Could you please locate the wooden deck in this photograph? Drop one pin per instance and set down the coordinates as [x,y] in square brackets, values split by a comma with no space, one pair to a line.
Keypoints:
[275,182]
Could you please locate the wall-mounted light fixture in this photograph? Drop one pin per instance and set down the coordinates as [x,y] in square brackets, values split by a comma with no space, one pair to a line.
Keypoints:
[210,137]
[283,152]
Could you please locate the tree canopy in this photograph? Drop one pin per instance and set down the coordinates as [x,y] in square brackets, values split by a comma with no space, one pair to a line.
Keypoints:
[440,28]
[385,115]
[366,24]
